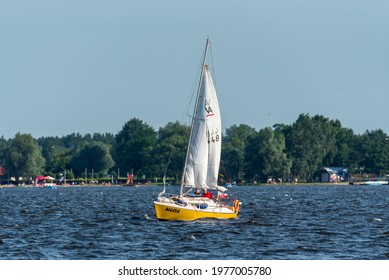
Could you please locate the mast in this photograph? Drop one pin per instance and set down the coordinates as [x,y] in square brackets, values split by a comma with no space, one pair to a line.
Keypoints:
[195,112]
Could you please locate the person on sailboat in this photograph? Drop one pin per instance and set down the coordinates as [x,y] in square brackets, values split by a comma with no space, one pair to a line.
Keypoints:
[207,194]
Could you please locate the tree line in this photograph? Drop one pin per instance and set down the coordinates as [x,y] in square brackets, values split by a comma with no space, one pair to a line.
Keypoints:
[297,150]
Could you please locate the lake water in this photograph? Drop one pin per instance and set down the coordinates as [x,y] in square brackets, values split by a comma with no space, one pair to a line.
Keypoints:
[276,222]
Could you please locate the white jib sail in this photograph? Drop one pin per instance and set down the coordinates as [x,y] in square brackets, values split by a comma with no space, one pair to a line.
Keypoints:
[202,166]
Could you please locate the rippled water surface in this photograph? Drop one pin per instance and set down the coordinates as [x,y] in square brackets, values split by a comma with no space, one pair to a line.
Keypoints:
[276,222]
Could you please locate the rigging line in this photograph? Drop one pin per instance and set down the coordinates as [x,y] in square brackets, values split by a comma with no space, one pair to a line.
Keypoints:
[193,92]
[191,98]
[194,113]
[193,117]
[213,65]
[164,176]
[168,162]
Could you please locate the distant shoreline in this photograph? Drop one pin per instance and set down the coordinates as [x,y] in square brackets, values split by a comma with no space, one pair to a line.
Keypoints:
[159,185]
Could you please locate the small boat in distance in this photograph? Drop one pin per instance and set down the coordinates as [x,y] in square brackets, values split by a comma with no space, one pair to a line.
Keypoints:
[201,164]
[374,183]
[130,179]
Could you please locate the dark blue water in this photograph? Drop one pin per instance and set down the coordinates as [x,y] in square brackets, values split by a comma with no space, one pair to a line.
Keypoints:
[276,222]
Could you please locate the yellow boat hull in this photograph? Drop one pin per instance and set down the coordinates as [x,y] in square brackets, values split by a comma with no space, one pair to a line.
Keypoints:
[168,211]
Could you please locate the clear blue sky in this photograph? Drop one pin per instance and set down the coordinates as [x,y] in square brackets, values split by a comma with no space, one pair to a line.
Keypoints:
[91,65]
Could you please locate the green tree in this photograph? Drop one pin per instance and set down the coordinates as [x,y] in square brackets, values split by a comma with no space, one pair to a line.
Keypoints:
[170,150]
[265,155]
[233,150]
[3,156]
[93,156]
[311,144]
[52,148]
[374,150]
[347,154]
[60,162]
[72,141]
[24,157]
[107,138]
[3,150]
[134,145]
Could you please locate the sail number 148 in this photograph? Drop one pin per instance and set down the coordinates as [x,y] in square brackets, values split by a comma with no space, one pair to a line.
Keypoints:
[213,137]
[232,270]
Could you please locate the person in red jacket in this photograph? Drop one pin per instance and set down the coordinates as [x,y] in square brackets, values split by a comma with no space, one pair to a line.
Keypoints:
[207,194]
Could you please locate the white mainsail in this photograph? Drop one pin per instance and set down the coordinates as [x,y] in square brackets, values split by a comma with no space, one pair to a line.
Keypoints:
[203,157]
[214,138]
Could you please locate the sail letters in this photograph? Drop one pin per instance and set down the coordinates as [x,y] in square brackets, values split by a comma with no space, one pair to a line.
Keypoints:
[208,109]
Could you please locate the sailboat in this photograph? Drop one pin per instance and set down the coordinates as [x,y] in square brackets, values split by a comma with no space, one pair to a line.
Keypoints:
[202,163]
[130,179]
